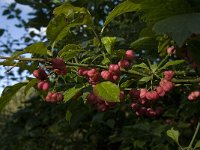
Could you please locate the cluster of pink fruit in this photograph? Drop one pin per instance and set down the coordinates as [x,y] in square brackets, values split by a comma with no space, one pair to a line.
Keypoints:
[142,99]
[112,74]
[59,67]
[100,104]
[194,95]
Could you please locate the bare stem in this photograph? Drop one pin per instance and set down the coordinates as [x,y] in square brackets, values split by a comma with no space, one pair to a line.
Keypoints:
[196,80]
[74,64]
[195,134]
[193,80]
[25,59]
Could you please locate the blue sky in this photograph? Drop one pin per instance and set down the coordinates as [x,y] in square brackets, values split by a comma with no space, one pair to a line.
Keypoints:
[9,24]
[15,32]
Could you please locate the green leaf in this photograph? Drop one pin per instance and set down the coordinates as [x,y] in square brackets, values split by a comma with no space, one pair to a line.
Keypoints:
[66,9]
[172,63]
[174,134]
[179,27]
[163,45]
[68,116]
[30,84]
[39,48]
[70,93]
[153,67]
[127,6]
[107,91]
[142,65]
[105,61]
[10,61]
[72,13]
[127,83]
[8,93]
[197,145]
[6,12]
[70,51]
[57,29]
[142,43]
[1,32]
[67,16]
[145,79]
[109,43]
[69,54]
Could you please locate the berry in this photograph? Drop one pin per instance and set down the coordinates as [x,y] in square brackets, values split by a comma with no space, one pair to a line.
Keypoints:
[81,71]
[142,101]
[40,74]
[134,93]
[43,85]
[59,66]
[114,68]
[102,107]
[135,106]
[93,75]
[114,78]
[160,91]
[54,97]
[152,95]
[48,98]
[137,113]
[171,50]
[91,98]
[150,112]
[166,85]
[142,110]
[92,72]
[58,63]
[143,93]
[123,63]
[59,97]
[129,55]
[194,95]
[168,75]
[106,75]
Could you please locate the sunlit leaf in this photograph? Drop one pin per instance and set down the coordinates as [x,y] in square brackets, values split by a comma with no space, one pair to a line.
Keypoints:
[39,48]
[172,63]
[197,145]
[70,93]
[107,91]
[109,43]
[174,134]
[70,51]
[145,79]
[142,65]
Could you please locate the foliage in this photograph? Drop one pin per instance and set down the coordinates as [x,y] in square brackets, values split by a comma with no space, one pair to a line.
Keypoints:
[91,68]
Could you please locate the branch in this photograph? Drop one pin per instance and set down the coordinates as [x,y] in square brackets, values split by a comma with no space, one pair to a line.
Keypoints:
[197,80]
[25,59]
[74,64]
